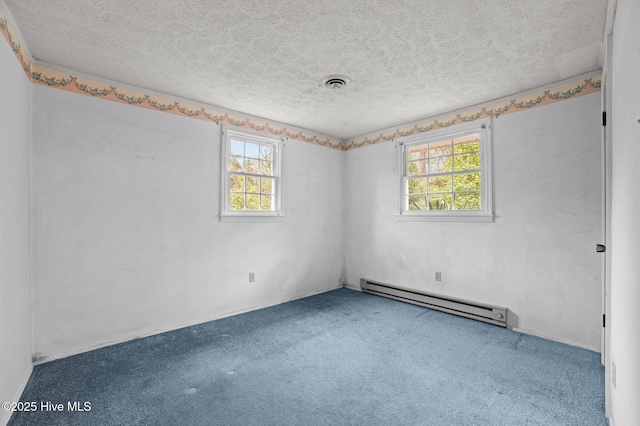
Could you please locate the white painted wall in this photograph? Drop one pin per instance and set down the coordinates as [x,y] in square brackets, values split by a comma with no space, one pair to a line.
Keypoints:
[127,236]
[15,234]
[538,259]
[625,221]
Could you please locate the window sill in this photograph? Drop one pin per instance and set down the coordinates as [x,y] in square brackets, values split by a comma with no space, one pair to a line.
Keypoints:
[251,218]
[486,218]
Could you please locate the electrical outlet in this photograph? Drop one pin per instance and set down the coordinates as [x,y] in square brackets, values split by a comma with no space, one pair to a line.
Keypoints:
[613,373]
[252,277]
[438,276]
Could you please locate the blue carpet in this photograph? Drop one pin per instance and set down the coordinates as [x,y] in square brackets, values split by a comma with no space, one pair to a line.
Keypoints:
[339,358]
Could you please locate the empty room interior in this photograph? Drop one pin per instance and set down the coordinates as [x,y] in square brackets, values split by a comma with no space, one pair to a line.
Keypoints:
[334,212]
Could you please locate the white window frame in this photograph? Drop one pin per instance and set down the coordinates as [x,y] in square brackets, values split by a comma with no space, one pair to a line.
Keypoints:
[485,214]
[228,215]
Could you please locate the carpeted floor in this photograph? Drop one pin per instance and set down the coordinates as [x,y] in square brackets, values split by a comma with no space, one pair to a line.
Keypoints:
[339,358]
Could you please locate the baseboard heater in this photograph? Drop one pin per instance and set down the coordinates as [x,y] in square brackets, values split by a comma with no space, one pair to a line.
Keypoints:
[464,308]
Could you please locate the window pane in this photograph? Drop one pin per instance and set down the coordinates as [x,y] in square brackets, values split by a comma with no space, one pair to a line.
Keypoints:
[237,183]
[252,202]
[267,186]
[266,168]
[418,167]
[468,143]
[439,165]
[466,182]
[466,161]
[467,200]
[252,150]
[253,184]
[417,152]
[418,202]
[266,202]
[253,163]
[237,201]
[440,183]
[417,186]
[440,202]
[447,173]
[237,147]
[250,165]
[266,153]
[236,164]
[439,149]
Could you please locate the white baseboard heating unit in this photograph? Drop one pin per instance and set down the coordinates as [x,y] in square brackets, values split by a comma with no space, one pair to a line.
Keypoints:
[478,311]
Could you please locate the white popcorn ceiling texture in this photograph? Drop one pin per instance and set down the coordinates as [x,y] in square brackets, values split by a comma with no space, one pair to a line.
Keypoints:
[407,60]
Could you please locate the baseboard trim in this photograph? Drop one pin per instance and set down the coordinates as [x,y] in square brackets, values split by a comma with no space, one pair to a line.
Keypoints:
[556,339]
[48,358]
[5,416]
[353,287]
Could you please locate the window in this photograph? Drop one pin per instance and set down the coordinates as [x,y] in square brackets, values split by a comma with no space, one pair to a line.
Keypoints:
[251,176]
[446,174]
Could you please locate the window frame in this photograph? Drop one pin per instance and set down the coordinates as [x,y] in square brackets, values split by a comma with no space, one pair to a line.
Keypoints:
[277,144]
[485,214]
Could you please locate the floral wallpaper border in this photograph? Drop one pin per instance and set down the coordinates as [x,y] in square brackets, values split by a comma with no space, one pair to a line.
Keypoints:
[14,44]
[562,92]
[64,81]
[52,78]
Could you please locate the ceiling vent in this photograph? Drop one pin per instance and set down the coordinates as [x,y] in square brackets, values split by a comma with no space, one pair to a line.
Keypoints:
[335,81]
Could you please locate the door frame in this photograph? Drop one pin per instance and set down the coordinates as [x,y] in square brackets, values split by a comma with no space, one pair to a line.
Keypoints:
[606,216]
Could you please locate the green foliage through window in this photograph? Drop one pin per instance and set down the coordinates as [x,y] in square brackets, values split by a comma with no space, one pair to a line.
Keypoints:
[444,174]
[251,179]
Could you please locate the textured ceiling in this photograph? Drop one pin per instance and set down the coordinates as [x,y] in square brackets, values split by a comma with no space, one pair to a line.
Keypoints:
[406,59]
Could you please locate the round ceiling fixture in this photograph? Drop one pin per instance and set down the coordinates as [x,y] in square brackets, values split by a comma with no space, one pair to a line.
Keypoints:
[335,81]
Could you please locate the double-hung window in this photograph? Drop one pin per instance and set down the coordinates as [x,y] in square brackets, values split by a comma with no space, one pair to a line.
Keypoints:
[446,174]
[252,187]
